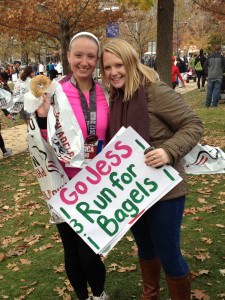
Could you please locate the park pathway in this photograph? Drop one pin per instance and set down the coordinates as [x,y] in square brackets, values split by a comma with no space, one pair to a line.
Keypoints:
[15,138]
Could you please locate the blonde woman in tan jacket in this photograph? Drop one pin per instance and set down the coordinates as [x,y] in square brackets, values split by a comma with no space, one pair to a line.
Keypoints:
[140,100]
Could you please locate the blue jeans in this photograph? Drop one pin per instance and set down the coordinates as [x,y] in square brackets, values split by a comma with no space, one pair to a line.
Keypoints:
[213,92]
[157,234]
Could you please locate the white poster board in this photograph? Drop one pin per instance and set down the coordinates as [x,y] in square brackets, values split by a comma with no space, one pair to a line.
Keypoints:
[110,194]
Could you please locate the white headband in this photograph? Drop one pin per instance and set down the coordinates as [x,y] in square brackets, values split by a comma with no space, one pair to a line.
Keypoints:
[85,33]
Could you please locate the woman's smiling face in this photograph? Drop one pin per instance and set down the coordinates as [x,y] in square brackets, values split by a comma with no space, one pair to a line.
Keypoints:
[83,57]
[114,69]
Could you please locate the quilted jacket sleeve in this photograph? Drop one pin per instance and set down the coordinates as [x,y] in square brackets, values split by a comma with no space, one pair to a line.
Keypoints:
[173,125]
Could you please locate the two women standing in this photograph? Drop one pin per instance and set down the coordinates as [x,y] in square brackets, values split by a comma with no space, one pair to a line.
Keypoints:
[138,99]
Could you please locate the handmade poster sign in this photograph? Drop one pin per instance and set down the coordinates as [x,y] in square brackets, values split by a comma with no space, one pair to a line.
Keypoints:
[111,193]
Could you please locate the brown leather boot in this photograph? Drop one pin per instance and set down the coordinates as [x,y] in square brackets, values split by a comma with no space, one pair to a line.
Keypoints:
[179,287]
[150,270]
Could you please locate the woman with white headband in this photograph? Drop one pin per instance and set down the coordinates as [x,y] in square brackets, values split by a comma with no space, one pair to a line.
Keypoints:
[89,105]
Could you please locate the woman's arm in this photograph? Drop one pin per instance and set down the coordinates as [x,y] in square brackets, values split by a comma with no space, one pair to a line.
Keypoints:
[41,116]
[185,126]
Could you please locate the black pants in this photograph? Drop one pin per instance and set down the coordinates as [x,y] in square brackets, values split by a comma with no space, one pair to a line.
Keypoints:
[82,265]
[2,144]
[200,76]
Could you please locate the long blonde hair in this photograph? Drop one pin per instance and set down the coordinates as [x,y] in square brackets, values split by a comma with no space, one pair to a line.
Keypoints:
[135,70]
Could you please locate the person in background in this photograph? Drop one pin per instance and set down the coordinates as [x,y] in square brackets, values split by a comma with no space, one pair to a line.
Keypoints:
[6,152]
[41,68]
[192,61]
[53,74]
[176,74]
[89,105]
[4,78]
[23,86]
[59,68]
[47,69]
[160,115]
[26,76]
[35,68]
[51,71]
[17,69]
[181,65]
[214,67]
[191,74]
[198,65]
[11,71]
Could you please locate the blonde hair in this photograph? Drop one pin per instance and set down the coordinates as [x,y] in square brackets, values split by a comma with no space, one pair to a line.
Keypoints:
[136,72]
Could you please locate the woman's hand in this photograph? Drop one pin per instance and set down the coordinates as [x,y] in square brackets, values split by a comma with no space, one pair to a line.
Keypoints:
[43,109]
[157,158]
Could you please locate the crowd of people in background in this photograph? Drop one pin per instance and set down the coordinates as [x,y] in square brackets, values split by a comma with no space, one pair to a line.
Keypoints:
[193,67]
[199,67]
[12,71]
[21,76]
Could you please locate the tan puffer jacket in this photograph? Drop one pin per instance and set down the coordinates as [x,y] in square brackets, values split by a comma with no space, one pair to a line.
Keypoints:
[174,127]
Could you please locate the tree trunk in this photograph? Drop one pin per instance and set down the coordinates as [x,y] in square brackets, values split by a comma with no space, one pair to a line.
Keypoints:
[165,39]
[65,48]
[65,41]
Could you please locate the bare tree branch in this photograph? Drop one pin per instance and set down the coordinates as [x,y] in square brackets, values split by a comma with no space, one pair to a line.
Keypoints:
[216,9]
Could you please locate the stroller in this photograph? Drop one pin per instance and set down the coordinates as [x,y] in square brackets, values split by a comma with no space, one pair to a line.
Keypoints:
[191,75]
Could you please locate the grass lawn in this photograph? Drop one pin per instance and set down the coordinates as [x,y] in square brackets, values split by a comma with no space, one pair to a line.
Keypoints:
[31,256]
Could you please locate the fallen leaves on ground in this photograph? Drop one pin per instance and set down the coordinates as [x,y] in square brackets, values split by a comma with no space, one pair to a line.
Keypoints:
[18,242]
[120,269]
[25,261]
[206,240]
[199,273]
[59,269]
[27,293]
[202,254]
[60,291]
[200,295]
[17,251]
[44,247]
[13,267]
[2,257]
[220,225]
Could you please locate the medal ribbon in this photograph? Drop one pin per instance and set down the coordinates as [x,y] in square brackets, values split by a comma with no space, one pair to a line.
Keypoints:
[89,112]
